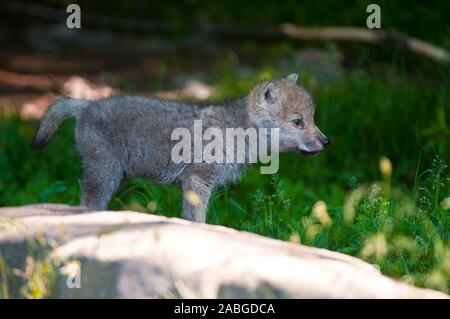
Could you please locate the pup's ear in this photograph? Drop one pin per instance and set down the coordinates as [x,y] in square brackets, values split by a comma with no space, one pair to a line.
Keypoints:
[292,77]
[269,94]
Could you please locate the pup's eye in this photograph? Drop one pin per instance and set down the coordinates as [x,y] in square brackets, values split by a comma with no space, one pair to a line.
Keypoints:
[298,122]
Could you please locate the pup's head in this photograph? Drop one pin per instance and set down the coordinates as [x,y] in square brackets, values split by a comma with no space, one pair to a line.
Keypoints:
[285,105]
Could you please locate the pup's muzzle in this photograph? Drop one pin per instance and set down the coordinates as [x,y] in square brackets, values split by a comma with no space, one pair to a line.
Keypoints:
[315,146]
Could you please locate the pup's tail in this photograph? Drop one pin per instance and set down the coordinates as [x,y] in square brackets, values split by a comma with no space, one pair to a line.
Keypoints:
[60,110]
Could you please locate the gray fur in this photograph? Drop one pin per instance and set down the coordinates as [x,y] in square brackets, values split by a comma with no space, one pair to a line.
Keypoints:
[58,112]
[130,136]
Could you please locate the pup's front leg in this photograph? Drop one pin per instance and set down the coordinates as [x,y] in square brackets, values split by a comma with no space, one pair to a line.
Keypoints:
[196,193]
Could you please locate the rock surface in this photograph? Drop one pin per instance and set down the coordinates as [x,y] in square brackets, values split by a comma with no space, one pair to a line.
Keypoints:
[135,255]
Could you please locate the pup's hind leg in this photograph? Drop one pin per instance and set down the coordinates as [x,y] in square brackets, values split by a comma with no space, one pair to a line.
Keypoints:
[101,179]
[196,193]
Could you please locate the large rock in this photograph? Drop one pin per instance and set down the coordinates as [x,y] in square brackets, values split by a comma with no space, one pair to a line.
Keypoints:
[128,254]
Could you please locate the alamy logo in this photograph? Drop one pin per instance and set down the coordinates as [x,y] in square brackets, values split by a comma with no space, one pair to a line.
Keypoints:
[73,272]
[239,145]
[374,19]
[73,21]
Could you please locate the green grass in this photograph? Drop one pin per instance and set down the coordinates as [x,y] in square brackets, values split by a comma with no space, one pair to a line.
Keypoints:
[397,222]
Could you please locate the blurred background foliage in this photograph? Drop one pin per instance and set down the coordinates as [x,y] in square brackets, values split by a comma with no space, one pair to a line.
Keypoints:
[422,19]
[380,192]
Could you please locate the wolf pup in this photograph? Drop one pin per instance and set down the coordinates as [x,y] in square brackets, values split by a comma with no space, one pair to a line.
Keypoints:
[130,136]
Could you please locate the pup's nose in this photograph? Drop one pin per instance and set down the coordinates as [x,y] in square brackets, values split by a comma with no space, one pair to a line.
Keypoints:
[325,142]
